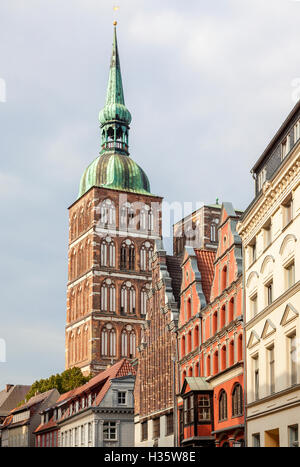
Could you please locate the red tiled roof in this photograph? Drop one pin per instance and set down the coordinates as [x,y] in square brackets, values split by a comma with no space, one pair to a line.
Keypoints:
[119,369]
[205,260]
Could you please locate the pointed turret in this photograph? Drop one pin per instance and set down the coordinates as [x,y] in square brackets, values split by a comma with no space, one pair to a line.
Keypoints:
[115,117]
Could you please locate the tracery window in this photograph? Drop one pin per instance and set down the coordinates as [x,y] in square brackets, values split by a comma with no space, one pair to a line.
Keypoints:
[108,341]
[107,214]
[127,255]
[128,342]
[146,253]
[128,298]
[108,296]
[237,401]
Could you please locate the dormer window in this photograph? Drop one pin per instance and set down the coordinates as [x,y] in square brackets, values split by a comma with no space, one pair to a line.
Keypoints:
[297,132]
[261,178]
[285,147]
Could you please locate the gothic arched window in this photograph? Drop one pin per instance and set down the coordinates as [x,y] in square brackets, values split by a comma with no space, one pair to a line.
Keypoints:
[127,255]
[146,253]
[108,341]
[144,296]
[223,406]
[107,214]
[128,342]
[107,253]
[237,401]
[108,296]
[128,298]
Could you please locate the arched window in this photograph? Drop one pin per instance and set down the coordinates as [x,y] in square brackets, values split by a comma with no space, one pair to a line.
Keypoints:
[215,322]
[150,220]
[237,401]
[213,233]
[216,363]
[208,370]
[127,255]
[240,348]
[108,296]
[224,278]
[223,317]
[128,342]
[108,341]
[103,253]
[231,310]
[182,346]
[128,298]
[223,358]
[189,308]
[107,253]
[146,253]
[222,406]
[144,297]
[107,214]
[189,341]
[190,371]
[231,353]
[196,337]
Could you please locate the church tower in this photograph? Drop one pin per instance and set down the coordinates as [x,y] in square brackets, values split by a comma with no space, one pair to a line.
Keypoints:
[112,228]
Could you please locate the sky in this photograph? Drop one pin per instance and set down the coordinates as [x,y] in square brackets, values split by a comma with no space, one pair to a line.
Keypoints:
[207,84]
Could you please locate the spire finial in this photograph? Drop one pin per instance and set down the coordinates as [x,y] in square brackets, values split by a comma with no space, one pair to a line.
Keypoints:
[115,23]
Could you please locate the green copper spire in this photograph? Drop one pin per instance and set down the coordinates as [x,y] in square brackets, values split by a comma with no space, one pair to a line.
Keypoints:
[115,117]
[114,169]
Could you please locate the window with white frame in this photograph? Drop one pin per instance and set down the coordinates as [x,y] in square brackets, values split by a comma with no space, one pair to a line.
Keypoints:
[293,358]
[269,292]
[297,132]
[267,232]
[261,178]
[255,364]
[285,147]
[110,431]
[271,365]
[290,274]
[287,207]
[293,431]
[121,397]
[253,305]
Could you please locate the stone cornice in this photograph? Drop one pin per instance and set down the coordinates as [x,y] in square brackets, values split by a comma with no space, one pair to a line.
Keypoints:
[274,192]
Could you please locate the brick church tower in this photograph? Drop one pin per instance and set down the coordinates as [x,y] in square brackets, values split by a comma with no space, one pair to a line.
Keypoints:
[112,228]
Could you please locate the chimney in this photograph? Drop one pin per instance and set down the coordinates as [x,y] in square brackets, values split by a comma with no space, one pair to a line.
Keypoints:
[8,387]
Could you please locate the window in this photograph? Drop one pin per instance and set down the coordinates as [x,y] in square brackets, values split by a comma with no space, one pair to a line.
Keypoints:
[213,233]
[108,296]
[237,401]
[290,275]
[169,424]
[269,292]
[261,178]
[253,301]
[287,212]
[108,341]
[128,341]
[82,435]
[204,413]
[296,131]
[293,436]
[223,406]
[293,359]
[267,230]
[144,431]
[253,251]
[285,147]
[271,361]
[121,398]
[146,254]
[224,278]
[110,431]
[107,214]
[143,301]
[256,440]
[156,427]
[189,410]
[128,298]
[256,377]
[89,432]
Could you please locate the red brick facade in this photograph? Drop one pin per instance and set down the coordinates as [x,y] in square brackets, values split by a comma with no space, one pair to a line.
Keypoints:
[210,341]
[111,237]
[154,389]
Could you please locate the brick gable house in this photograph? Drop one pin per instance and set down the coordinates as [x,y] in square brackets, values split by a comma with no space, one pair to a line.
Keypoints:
[210,342]
[156,377]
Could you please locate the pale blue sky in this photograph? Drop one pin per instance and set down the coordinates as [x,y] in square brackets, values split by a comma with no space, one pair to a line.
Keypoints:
[207,83]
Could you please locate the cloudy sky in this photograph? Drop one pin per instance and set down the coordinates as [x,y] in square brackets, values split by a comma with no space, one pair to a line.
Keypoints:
[207,83]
